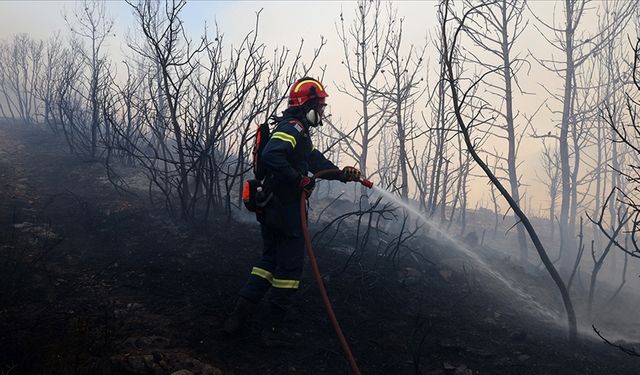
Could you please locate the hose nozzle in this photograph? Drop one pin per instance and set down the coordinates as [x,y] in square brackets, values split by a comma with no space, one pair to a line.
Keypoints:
[366,183]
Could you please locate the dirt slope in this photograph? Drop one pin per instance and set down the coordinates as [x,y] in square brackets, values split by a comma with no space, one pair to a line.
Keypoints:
[94,282]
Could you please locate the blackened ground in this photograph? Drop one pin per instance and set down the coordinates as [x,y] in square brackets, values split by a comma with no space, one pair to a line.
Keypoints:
[95,282]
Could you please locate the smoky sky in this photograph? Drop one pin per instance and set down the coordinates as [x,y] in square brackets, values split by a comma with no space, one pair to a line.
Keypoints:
[287,23]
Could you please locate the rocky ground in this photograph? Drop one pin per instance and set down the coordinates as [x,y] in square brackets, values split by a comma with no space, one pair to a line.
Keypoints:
[96,282]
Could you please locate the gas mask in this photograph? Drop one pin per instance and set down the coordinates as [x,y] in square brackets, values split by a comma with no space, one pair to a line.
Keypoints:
[315,116]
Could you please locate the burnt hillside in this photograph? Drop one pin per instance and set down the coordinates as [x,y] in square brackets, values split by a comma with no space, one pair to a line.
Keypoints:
[93,281]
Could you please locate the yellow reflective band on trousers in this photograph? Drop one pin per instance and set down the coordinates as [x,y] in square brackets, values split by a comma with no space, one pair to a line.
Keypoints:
[276,283]
[285,137]
[285,284]
[262,273]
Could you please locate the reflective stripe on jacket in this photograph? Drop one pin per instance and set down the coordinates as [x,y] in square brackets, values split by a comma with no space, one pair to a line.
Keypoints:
[290,154]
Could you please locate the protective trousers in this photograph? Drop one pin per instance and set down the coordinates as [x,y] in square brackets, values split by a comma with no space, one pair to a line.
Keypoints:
[282,260]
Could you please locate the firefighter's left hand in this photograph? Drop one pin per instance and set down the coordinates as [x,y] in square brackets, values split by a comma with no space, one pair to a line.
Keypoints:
[350,174]
[307,184]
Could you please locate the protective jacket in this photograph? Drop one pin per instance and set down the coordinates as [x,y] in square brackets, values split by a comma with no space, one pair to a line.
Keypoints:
[290,154]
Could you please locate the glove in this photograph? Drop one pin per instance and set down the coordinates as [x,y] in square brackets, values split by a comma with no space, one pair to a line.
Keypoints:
[350,174]
[307,184]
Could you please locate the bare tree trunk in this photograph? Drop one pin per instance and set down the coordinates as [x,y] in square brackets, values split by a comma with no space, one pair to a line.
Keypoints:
[577,48]
[457,103]
[439,155]
[598,262]
[92,22]
[369,54]
[444,191]
[94,98]
[566,233]
[511,136]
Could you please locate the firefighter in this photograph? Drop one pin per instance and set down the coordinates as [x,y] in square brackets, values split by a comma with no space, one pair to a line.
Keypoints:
[289,157]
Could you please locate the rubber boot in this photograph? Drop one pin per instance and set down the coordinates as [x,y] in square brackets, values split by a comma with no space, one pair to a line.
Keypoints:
[235,321]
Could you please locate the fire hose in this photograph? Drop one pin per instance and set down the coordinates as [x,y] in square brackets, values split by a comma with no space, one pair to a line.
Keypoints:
[318,277]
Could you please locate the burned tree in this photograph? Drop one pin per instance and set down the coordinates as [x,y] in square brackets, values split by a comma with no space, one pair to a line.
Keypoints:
[401,91]
[551,179]
[50,79]
[461,103]
[365,49]
[191,108]
[441,131]
[20,69]
[621,218]
[92,23]
[577,47]
[496,30]
[628,133]
[175,56]
[70,100]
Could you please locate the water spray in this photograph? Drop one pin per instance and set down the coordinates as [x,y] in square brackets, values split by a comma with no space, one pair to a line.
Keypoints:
[475,257]
[391,197]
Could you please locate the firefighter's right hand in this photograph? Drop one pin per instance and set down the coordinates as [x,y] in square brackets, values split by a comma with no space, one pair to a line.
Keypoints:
[350,174]
[307,184]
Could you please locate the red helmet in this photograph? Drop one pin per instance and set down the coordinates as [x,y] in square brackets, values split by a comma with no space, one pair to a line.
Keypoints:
[304,90]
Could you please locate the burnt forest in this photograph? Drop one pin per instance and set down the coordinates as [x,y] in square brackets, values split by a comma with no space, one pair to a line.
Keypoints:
[493,231]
